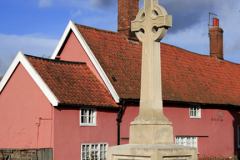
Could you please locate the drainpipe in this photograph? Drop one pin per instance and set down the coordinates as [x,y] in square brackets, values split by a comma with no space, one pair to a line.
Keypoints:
[119,120]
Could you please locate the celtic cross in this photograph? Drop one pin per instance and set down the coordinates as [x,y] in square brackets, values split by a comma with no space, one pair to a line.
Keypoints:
[151,22]
[150,26]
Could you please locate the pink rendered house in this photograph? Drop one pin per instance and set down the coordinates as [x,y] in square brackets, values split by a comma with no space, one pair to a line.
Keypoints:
[83,99]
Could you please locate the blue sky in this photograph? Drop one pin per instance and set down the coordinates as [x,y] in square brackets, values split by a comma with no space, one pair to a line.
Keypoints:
[35,26]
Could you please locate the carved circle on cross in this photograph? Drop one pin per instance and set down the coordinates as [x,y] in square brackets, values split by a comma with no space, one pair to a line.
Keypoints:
[157,32]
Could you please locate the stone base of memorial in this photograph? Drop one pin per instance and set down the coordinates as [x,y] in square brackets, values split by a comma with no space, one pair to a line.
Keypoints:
[151,142]
[151,152]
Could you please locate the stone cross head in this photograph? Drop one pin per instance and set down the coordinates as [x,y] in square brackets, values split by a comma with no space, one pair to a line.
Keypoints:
[151,22]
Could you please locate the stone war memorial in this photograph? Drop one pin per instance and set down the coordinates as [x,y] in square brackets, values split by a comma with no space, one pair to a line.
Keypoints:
[151,133]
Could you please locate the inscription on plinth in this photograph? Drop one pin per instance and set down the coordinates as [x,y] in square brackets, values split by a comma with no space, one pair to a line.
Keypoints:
[119,157]
[131,158]
[177,158]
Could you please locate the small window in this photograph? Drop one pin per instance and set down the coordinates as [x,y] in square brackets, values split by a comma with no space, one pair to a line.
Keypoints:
[88,117]
[238,136]
[94,151]
[188,141]
[195,111]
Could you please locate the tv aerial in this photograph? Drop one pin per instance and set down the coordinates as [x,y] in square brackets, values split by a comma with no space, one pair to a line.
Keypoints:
[209,24]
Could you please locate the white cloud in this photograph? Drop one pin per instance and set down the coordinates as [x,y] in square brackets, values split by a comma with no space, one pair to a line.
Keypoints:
[34,44]
[44,3]
[102,3]
[89,5]
[194,39]
[74,14]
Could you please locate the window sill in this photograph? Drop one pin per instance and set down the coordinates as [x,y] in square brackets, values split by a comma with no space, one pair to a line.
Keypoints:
[196,117]
[90,125]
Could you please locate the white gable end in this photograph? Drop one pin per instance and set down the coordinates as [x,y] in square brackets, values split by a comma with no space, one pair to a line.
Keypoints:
[71,26]
[20,58]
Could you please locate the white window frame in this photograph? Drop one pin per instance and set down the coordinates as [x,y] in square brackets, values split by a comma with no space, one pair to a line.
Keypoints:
[88,148]
[238,136]
[195,113]
[189,141]
[94,117]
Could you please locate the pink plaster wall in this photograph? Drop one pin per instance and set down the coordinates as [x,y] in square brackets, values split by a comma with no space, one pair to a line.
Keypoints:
[215,137]
[21,104]
[130,112]
[73,51]
[69,135]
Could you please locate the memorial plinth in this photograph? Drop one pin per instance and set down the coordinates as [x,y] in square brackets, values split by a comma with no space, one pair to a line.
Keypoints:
[151,152]
[151,133]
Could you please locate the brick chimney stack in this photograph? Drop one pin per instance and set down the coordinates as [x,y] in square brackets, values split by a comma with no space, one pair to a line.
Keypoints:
[127,12]
[216,40]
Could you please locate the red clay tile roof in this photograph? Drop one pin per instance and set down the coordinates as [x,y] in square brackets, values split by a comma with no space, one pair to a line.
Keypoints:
[118,58]
[186,76]
[72,83]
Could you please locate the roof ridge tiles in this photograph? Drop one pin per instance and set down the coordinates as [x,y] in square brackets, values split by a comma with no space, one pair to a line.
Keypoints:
[96,29]
[55,60]
[185,49]
[204,55]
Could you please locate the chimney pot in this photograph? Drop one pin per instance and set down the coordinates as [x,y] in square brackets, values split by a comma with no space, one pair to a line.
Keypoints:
[218,22]
[214,22]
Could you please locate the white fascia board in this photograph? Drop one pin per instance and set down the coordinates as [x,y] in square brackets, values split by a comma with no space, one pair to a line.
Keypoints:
[20,58]
[63,38]
[71,26]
